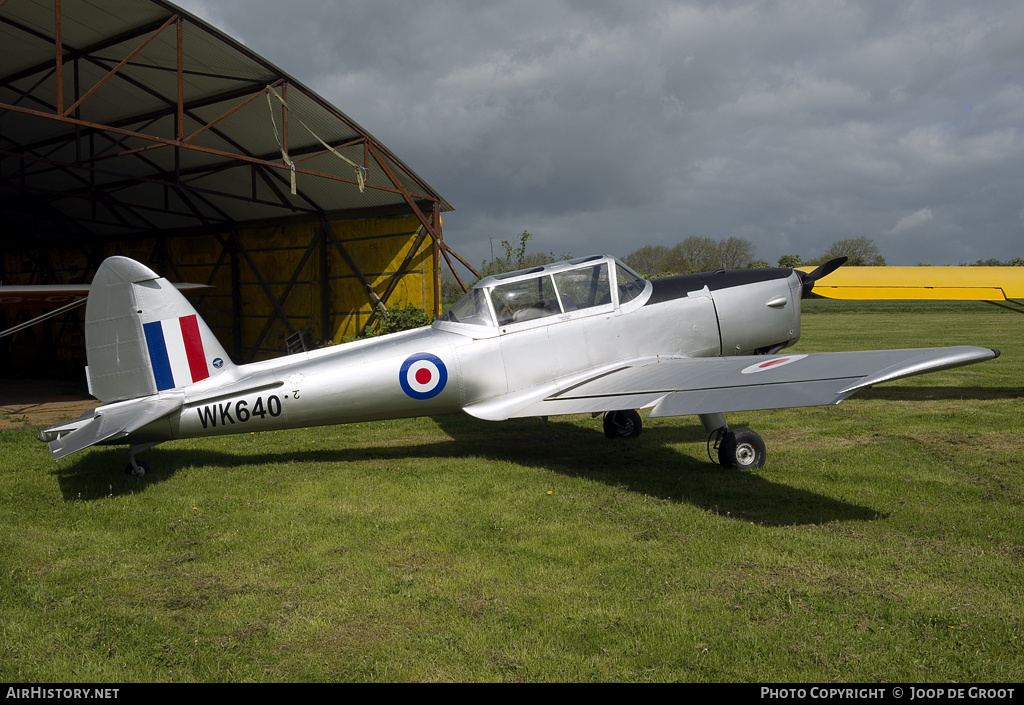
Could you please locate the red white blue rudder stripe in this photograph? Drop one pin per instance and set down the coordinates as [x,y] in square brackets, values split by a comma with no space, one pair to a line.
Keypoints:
[142,336]
[176,352]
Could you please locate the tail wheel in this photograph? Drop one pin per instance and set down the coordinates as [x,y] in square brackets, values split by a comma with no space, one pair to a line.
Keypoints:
[622,424]
[742,449]
[137,468]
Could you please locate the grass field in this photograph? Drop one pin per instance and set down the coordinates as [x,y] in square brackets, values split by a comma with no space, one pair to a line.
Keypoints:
[883,541]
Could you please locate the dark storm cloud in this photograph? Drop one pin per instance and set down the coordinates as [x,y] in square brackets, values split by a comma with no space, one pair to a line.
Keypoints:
[603,126]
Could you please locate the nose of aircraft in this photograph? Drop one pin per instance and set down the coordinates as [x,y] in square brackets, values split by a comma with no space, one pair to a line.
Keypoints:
[823,271]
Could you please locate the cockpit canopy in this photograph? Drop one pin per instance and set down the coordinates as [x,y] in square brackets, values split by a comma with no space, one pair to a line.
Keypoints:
[589,284]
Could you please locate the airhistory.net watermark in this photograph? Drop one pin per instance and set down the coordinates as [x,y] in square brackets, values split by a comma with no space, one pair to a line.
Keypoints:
[43,693]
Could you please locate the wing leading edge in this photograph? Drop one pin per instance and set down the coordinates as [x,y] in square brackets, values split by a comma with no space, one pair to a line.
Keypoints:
[683,386]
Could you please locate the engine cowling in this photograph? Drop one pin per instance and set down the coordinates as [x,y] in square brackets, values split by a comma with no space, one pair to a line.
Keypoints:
[758,309]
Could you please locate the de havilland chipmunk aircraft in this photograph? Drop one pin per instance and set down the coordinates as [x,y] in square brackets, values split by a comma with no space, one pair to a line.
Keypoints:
[584,336]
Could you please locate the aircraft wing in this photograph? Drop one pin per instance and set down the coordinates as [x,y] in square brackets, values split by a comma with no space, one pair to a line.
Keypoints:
[108,423]
[680,386]
[963,283]
[47,296]
[59,298]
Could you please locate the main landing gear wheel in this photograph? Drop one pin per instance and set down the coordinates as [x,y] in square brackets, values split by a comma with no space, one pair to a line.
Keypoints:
[622,424]
[742,449]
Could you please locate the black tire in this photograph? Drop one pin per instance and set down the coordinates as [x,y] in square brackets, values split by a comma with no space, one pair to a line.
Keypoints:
[742,449]
[622,424]
[140,472]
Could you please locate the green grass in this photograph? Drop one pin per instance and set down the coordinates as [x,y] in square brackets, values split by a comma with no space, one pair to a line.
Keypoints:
[882,542]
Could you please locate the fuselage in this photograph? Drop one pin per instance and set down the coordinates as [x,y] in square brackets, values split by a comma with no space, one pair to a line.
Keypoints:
[510,333]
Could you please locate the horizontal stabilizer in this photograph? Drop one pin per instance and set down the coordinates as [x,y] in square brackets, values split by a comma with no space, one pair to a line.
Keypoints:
[108,423]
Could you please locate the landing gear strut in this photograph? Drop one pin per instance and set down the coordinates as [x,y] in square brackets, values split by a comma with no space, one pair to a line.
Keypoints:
[622,424]
[137,468]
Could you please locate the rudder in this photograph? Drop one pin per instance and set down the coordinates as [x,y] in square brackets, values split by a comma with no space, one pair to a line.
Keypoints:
[142,336]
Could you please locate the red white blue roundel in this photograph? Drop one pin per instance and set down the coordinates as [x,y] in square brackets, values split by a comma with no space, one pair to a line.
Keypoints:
[423,376]
[772,364]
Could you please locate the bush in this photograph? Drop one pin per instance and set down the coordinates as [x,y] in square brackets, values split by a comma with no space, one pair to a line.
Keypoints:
[398,319]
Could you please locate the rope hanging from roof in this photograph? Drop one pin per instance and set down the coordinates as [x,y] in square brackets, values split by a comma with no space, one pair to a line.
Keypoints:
[360,170]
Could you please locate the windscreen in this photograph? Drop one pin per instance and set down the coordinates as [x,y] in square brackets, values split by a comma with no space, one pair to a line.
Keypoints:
[471,309]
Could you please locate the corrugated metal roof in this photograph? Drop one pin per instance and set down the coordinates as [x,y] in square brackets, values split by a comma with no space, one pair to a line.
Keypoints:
[95,148]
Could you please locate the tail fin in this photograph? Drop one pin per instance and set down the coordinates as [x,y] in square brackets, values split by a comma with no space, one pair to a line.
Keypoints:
[142,336]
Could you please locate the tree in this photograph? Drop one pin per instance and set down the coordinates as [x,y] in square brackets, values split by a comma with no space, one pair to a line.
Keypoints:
[646,260]
[735,253]
[859,251]
[791,261]
[992,262]
[451,290]
[697,254]
[516,257]
[694,254]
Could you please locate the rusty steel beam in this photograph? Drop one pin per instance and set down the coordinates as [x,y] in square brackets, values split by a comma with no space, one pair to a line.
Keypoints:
[403,192]
[367,287]
[87,191]
[399,273]
[467,265]
[208,150]
[117,68]
[133,33]
[278,309]
[59,46]
[436,217]
[179,117]
[178,106]
[454,273]
[151,116]
[228,114]
[280,302]
[323,152]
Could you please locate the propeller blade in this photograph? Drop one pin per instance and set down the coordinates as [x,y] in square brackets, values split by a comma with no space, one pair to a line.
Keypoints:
[822,271]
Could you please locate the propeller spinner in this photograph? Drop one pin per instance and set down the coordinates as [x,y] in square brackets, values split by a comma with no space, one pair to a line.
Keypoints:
[822,271]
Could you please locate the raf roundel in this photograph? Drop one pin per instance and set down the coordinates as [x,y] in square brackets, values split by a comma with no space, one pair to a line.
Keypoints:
[423,376]
[774,363]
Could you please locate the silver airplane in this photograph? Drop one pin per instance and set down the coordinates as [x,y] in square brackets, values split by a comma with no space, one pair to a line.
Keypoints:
[584,336]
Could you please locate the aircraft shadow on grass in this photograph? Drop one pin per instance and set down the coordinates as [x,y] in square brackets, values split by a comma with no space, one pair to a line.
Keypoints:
[652,465]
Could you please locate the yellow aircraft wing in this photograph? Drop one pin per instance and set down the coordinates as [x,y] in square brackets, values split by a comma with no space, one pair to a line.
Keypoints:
[992,284]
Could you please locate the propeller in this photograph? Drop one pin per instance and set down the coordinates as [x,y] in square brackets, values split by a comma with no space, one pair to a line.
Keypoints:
[822,271]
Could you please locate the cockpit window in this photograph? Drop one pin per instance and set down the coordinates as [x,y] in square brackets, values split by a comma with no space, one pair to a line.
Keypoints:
[630,285]
[541,292]
[470,309]
[583,288]
[524,300]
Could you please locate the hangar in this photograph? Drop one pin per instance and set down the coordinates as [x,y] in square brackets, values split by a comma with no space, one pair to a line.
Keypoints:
[133,127]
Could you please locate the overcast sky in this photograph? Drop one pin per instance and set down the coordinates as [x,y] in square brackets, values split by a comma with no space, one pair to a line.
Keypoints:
[604,125]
